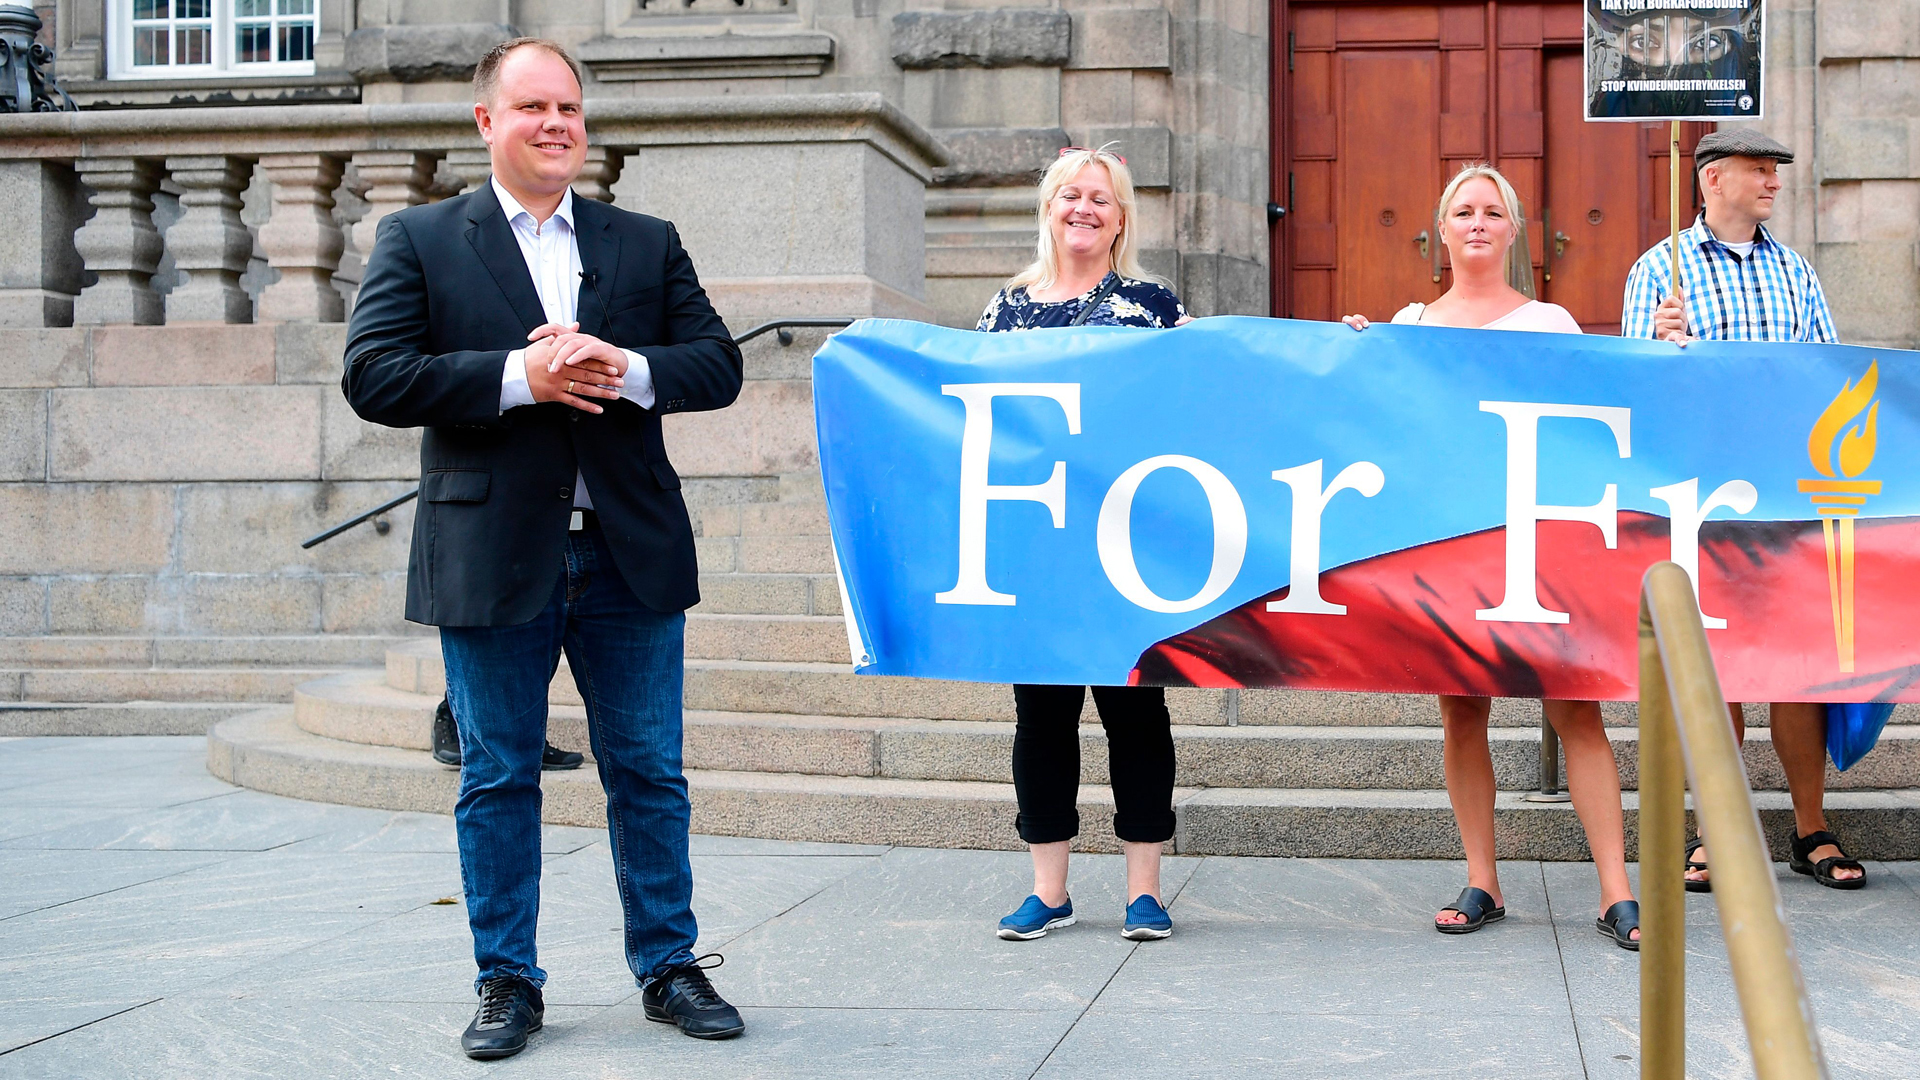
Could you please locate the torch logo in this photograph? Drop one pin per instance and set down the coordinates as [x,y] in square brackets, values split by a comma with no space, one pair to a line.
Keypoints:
[1841,500]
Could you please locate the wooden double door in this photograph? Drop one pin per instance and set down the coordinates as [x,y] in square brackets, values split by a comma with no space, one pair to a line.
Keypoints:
[1376,106]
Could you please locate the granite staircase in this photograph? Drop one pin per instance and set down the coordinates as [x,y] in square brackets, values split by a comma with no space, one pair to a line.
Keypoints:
[162,684]
[784,741]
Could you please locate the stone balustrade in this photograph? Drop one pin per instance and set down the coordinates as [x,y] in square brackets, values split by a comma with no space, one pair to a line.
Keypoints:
[790,204]
[157,478]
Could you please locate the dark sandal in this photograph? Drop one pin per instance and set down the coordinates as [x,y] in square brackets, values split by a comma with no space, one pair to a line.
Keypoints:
[1477,905]
[1822,872]
[1702,885]
[1619,923]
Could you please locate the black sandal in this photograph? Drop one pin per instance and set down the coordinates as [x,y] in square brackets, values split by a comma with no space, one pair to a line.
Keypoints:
[1477,905]
[1703,885]
[1822,872]
[1619,923]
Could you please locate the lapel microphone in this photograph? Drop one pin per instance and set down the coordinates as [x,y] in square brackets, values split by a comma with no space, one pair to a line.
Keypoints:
[592,278]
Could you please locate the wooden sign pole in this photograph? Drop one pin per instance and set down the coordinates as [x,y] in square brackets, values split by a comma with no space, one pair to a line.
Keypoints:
[1673,213]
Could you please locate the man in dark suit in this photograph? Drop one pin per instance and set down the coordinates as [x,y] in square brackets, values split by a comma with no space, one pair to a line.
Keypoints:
[539,338]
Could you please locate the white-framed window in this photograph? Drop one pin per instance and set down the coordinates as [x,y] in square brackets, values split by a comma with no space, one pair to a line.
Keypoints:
[167,39]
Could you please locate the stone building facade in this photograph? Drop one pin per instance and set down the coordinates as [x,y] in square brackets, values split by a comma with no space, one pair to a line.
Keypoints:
[180,255]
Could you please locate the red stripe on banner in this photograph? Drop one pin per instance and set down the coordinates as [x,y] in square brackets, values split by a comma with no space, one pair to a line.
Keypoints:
[1410,625]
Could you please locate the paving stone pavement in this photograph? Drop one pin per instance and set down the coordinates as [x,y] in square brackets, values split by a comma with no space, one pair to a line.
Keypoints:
[155,922]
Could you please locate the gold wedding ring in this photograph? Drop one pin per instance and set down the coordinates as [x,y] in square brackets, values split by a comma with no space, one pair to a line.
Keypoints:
[569,386]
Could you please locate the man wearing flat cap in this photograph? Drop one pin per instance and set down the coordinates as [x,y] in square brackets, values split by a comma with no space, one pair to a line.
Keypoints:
[1740,284]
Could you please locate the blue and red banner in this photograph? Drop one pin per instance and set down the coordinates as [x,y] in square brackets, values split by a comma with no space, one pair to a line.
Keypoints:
[1264,502]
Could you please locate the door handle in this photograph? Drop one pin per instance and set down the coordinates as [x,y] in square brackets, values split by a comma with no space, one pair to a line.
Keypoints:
[1422,241]
[1556,249]
[1430,250]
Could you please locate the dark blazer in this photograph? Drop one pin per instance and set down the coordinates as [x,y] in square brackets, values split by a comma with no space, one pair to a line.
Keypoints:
[445,297]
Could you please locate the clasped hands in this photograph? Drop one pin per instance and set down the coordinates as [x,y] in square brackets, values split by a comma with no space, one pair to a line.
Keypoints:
[573,368]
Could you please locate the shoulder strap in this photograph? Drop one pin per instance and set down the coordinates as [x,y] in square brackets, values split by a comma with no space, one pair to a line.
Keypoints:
[1099,297]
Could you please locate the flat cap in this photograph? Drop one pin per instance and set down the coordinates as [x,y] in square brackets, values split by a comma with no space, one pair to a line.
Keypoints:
[1739,142]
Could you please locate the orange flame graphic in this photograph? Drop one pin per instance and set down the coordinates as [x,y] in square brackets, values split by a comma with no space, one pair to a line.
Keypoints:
[1856,446]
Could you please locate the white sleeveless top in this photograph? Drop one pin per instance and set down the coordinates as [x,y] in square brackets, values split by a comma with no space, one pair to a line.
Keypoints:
[1534,315]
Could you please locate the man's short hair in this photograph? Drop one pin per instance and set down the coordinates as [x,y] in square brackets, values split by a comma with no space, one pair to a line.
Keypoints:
[486,74]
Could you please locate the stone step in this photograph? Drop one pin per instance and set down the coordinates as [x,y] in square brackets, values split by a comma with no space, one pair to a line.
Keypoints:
[360,707]
[267,751]
[768,594]
[806,638]
[75,684]
[179,651]
[18,718]
[832,689]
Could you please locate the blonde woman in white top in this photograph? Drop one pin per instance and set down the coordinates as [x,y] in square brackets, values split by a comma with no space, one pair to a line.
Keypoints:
[1481,223]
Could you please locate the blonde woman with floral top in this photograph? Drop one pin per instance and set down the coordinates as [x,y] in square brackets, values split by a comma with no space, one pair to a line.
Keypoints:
[1086,272]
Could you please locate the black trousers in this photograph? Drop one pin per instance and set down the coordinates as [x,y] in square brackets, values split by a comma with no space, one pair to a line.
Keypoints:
[1046,761]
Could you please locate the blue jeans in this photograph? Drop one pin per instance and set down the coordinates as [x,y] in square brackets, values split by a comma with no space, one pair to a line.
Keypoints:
[628,662]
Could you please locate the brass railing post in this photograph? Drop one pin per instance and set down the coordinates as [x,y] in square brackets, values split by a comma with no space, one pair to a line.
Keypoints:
[1687,701]
[1663,907]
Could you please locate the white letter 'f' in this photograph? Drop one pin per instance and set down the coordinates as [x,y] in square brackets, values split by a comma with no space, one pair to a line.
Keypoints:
[976,445]
[1522,603]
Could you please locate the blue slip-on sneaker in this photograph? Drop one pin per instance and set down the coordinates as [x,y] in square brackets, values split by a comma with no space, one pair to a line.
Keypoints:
[1034,918]
[1147,920]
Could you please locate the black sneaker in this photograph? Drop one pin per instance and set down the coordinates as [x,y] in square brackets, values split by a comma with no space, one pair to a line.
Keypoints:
[510,1010]
[680,994]
[553,758]
[446,737]
[446,745]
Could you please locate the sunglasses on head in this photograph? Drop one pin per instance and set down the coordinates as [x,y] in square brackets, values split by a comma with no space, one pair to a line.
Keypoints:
[1065,150]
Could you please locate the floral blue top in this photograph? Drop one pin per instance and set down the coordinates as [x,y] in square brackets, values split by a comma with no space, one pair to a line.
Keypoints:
[1133,303]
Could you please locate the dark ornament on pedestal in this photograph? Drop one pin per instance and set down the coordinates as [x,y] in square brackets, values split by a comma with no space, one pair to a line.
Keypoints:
[25,83]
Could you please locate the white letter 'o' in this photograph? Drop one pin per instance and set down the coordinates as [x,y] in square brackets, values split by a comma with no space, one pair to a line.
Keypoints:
[1114,536]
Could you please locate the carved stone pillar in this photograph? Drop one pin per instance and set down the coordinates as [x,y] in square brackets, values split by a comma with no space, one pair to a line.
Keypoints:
[210,244]
[600,173]
[395,180]
[119,243]
[301,240]
[472,165]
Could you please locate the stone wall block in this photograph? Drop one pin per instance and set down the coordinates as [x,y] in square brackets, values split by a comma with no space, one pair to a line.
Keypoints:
[421,53]
[301,239]
[210,244]
[119,604]
[358,450]
[1864,28]
[187,433]
[1004,37]
[1148,150]
[190,355]
[998,156]
[54,356]
[309,352]
[1868,149]
[769,430]
[364,603]
[1138,38]
[119,243]
[257,528]
[23,606]
[23,434]
[86,528]
[250,604]
[1872,287]
[393,180]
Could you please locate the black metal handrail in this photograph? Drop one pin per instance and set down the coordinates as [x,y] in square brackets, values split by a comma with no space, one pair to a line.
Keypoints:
[783,327]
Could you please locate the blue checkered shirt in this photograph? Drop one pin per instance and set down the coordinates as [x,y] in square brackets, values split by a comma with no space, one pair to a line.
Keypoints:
[1771,295]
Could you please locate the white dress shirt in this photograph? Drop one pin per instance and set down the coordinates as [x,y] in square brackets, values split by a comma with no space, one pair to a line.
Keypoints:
[552,252]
